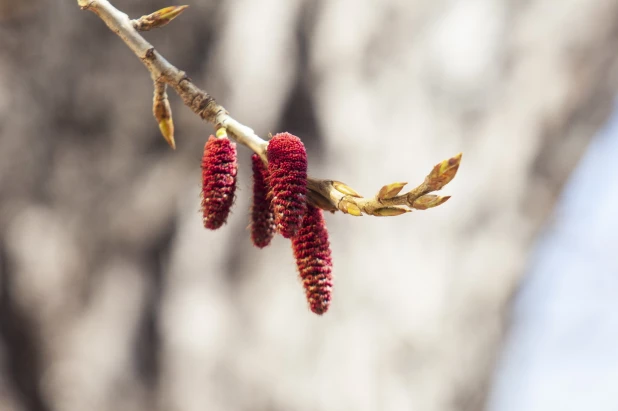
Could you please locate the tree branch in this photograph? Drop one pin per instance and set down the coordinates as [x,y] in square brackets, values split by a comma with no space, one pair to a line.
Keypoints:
[327,194]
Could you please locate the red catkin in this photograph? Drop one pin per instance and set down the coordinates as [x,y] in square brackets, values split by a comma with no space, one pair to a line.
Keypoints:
[218,181]
[313,259]
[262,220]
[287,169]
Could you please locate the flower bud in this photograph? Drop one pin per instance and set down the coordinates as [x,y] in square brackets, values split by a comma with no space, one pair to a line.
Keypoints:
[287,169]
[218,181]
[262,220]
[313,259]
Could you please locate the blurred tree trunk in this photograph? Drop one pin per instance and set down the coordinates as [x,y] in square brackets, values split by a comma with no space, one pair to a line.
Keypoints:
[112,296]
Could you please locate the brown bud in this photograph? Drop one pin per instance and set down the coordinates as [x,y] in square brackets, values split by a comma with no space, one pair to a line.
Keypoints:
[159,18]
[429,201]
[390,211]
[163,114]
[443,173]
[345,189]
[390,190]
[350,208]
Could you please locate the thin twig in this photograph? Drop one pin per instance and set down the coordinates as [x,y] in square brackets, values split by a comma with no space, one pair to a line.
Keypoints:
[326,194]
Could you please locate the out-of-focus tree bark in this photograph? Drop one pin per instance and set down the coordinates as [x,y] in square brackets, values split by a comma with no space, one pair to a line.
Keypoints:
[114,297]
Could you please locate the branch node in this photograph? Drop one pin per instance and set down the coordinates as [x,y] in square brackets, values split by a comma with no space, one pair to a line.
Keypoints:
[183,77]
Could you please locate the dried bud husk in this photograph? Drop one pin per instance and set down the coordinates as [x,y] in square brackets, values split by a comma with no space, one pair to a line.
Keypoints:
[219,170]
[159,18]
[390,190]
[287,169]
[313,259]
[390,211]
[262,219]
[429,201]
[345,189]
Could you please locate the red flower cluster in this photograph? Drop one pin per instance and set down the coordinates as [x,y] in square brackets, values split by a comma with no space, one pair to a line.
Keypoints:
[287,169]
[313,259]
[279,203]
[218,181]
[262,222]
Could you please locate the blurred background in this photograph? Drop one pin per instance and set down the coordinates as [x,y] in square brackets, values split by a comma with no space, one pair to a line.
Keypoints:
[113,296]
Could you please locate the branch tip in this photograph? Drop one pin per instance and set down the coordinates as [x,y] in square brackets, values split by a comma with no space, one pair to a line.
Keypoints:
[159,18]
[443,173]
